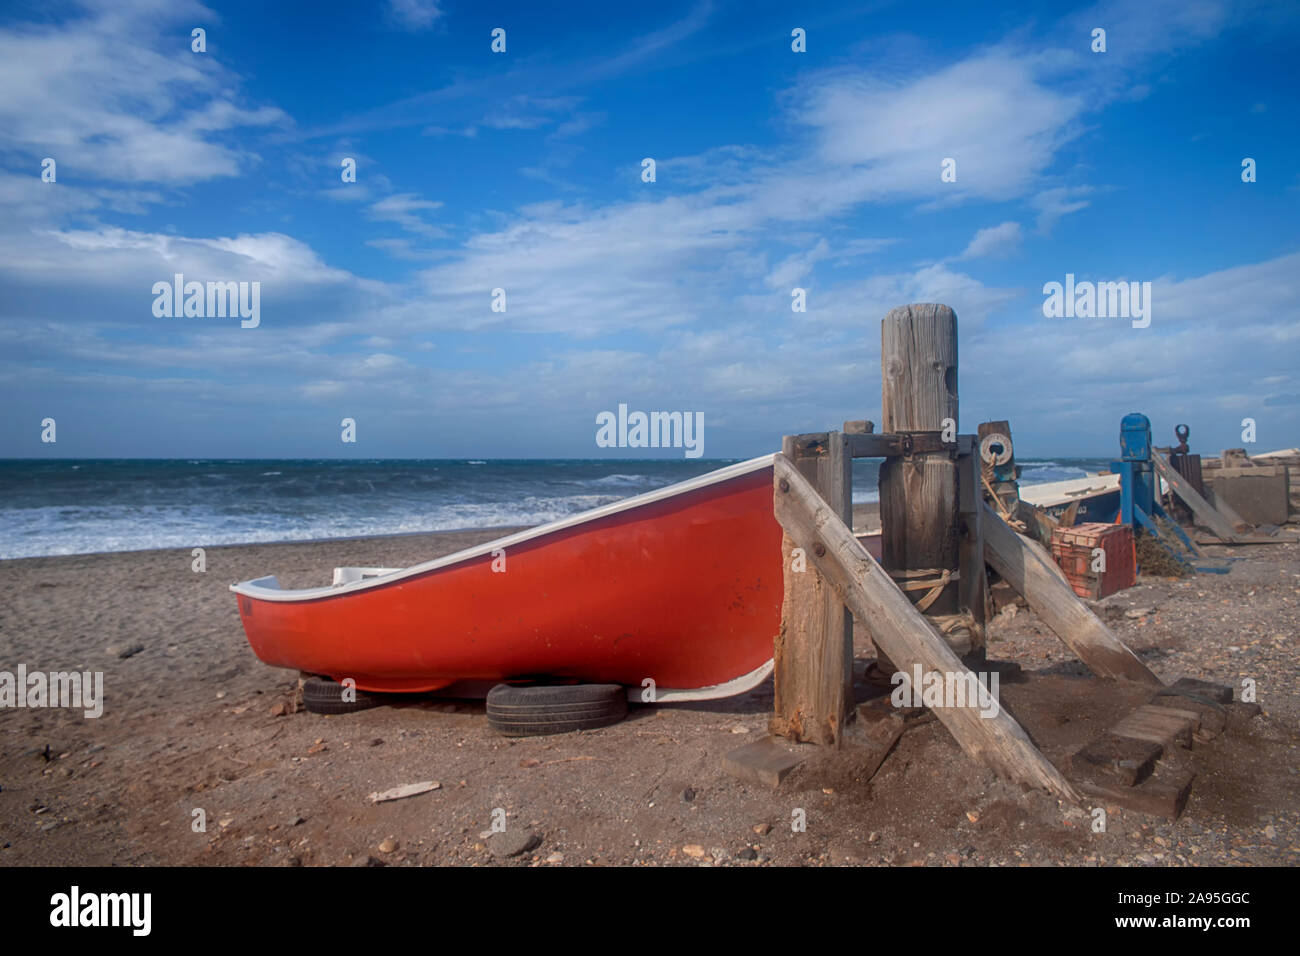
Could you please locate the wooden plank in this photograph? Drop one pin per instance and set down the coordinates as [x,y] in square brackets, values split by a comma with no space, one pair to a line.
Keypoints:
[1211,718]
[866,445]
[1242,540]
[1127,760]
[813,676]
[902,632]
[1220,504]
[1164,794]
[1203,510]
[1021,566]
[1158,725]
[1219,693]
[871,445]
[765,761]
[1182,715]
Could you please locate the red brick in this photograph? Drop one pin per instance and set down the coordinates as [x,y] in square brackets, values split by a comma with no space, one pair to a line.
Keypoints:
[1072,548]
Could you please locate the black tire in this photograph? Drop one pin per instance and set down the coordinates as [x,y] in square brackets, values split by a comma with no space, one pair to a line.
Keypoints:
[320,695]
[538,709]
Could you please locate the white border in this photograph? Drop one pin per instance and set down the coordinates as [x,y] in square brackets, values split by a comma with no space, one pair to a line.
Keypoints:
[476,689]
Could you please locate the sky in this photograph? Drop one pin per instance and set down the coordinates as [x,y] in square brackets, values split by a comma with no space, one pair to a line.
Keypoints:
[522,170]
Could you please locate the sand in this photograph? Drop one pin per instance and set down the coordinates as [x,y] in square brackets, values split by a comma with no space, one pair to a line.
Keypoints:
[188,726]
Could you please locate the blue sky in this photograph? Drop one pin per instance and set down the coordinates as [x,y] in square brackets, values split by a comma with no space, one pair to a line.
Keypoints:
[522,170]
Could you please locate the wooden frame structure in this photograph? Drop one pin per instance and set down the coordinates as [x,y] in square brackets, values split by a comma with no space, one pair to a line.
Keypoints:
[925,603]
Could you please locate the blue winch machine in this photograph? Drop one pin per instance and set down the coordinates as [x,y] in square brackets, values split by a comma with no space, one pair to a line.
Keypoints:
[1139,502]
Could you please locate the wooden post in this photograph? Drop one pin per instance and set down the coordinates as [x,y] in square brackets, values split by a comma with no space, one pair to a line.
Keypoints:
[1023,567]
[918,492]
[972,586]
[903,633]
[813,670]
[1001,476]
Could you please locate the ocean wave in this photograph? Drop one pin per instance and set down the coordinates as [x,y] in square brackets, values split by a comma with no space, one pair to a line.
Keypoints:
[43,532]
[618,480]
[1037,473]
[128,506]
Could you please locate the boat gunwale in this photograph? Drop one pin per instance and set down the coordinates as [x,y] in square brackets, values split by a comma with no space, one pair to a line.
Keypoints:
[1051,494]
[253,589]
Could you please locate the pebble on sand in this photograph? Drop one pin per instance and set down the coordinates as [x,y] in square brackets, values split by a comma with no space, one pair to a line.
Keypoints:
[513,842]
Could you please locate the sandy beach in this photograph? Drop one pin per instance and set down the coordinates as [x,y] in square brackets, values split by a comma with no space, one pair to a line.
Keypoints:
[189,724]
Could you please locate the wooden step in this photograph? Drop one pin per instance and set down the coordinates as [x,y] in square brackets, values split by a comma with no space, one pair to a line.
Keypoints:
[1123,759]
[1211,717]
[1159,725]
[1163,794]
[1220,693]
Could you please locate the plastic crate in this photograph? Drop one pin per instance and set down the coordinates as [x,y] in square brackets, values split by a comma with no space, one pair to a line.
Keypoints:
[1073,550]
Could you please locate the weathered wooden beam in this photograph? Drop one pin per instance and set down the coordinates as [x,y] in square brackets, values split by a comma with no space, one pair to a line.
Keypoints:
[918,494]
[902,631]
[1026,570]
[1203,510]
[870,445]
[1220,504]
[972,585]
[813,654]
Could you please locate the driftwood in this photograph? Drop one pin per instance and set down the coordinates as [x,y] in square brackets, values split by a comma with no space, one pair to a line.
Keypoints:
[404,791]
[1027,571]
[902,631]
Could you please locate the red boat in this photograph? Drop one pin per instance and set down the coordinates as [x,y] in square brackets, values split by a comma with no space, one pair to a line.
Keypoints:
[681,586]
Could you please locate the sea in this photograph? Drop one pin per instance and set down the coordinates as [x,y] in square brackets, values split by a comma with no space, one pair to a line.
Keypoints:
[69,506]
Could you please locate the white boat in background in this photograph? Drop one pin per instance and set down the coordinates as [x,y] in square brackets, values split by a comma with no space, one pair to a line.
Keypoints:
[1093,497]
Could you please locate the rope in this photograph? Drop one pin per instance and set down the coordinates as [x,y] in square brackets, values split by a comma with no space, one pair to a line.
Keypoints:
[1002,510]
[935,585]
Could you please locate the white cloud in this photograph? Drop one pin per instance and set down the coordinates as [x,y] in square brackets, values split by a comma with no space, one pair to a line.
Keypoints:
[993,241]
[528,112]
[405,209]
[1056,203]
[118,95]
[796,266]
[990,113]
[415,14]
[405,250]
